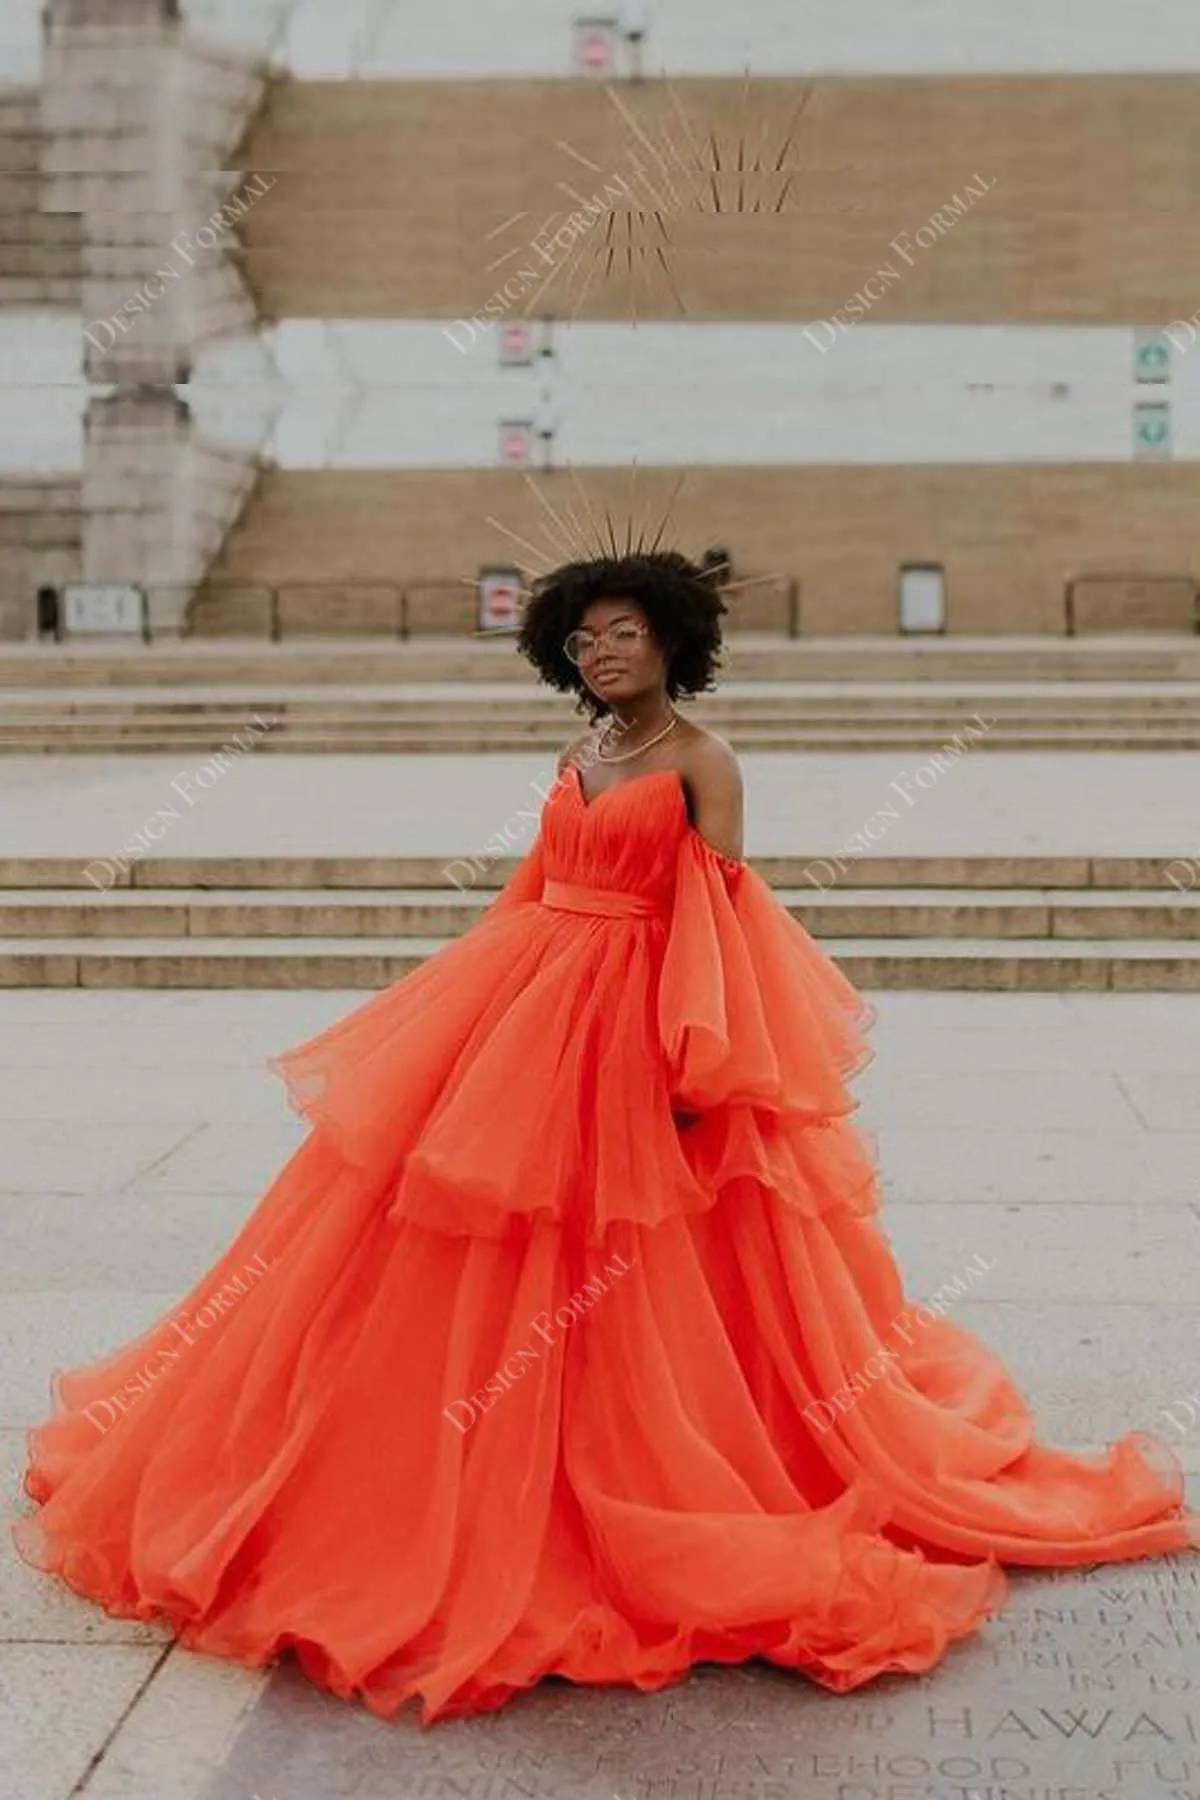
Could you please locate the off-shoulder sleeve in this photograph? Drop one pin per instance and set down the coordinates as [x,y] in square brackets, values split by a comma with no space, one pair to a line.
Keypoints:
[749,1007]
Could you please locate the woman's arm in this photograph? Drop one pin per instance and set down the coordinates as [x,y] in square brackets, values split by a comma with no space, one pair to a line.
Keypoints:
[715,779]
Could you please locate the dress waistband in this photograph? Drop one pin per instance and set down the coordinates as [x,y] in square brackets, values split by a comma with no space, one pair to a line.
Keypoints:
[567,896]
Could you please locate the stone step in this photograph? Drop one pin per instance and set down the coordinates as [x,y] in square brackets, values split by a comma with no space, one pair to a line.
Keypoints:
[39,228]
[436,877]
[423,912]
[1099,965]
[1073,737]
[36,260]
[31,493]
[749,656]
[21,191]
[458,701]
[1060,714]
[19,293]
[20,110]
[20,147]
[925,963]
[470,718]
[533,714]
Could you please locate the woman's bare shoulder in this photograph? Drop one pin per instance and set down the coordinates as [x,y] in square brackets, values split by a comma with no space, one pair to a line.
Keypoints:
[714,778]
[709,761]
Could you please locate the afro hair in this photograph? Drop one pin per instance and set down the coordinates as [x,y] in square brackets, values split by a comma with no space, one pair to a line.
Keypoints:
[681,602]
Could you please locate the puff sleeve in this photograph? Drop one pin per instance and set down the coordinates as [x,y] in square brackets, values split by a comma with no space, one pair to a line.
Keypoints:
[750,1009]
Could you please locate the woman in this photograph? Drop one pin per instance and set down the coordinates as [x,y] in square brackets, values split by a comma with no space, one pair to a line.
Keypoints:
[567,1343]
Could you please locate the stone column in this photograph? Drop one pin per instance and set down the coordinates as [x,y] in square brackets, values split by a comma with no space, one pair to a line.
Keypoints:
[139,123]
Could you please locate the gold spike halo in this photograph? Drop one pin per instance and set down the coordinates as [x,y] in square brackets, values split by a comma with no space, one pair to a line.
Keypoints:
[580,529]
[674,166]
[669,166]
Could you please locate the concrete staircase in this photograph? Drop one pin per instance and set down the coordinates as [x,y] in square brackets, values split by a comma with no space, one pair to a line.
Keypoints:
[41,253]
[996,923]
[459,718]
[477,695]
[1170,657]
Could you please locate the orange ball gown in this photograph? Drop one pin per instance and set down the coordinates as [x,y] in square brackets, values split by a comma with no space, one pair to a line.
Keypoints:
[567,1341]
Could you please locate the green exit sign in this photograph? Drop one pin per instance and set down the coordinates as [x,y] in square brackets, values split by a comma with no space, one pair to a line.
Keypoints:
[1152,431]
[1151,356]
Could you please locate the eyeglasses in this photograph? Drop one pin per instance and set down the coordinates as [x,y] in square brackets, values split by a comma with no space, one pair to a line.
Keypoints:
[582,646]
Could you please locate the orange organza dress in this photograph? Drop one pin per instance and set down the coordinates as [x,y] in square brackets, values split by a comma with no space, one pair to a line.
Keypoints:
[567,1342]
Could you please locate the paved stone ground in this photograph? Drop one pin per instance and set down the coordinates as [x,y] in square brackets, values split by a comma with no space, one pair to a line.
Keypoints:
[1031,803]
[1057,1136]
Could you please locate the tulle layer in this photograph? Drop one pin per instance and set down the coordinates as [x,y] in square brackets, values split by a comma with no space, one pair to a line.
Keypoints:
[441,1467]
[567,1342]
[750,1009]
[584,1069]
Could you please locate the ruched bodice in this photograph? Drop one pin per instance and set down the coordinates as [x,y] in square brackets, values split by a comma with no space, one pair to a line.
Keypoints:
[626,838]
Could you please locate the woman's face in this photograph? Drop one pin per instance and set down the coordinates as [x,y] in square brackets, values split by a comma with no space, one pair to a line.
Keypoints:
[620,658]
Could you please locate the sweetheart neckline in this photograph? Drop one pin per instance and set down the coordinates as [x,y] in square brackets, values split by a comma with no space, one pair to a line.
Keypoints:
[629,781]
[586,805]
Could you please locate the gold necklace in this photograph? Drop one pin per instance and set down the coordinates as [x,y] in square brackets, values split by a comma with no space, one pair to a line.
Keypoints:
[628,755]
